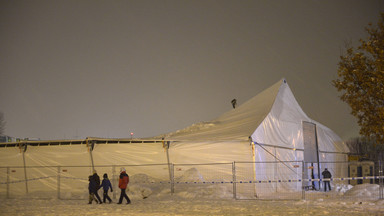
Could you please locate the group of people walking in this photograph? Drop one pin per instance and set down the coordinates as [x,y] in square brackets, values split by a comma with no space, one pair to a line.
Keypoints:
[94,186]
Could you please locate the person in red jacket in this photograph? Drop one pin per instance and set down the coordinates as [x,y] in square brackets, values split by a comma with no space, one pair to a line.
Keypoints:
[123,182]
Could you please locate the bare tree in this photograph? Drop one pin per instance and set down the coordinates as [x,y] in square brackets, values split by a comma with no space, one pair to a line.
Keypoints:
[2,124]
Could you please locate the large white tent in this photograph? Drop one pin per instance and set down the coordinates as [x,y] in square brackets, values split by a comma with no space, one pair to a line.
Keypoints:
[270,127]
[268,138]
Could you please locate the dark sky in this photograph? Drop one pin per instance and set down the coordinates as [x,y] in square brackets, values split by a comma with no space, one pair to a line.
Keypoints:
[72,69]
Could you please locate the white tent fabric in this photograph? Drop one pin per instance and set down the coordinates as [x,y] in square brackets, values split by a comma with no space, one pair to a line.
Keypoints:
[272,117]
[266,132]
[267,128]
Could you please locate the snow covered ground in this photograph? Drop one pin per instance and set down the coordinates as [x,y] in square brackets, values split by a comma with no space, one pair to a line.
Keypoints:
[156,199]
[173,205]
[341,201]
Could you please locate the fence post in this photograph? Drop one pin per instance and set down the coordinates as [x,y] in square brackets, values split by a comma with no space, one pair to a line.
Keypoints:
[234,179]
[172,177]
[25,173]
[114,181]
[58,182]
[302,180]
[381,180]
[8,173]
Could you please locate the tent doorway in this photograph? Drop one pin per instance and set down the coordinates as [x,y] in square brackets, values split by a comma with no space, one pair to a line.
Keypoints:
[311,155]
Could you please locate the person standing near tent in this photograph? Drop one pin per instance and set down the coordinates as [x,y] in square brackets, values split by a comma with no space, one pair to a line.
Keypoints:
[327,175]
[123,183]
[91,189]
[96,180]
[106,184]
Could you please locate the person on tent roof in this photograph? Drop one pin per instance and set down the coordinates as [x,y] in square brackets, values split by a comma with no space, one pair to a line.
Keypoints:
[234,103]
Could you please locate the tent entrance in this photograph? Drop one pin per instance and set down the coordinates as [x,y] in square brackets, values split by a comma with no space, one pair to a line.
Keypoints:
[311,155]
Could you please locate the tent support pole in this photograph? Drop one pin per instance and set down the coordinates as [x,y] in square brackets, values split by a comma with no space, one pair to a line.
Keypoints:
[8,177]
[58,182]
[170,167]
[254,168]
[90,145]
[302,180]
[25,173]
[277,158]
[234,179]
[318,158]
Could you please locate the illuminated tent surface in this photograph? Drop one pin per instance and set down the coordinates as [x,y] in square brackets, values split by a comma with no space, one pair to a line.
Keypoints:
[270,130]
[271,119]
[263,138]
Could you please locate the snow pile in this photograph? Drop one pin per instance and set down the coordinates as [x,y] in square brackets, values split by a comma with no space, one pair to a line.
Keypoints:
[189,185]
[194,187]
[141,186]
[193,128]
[190,175]
[342,188]
[363,191]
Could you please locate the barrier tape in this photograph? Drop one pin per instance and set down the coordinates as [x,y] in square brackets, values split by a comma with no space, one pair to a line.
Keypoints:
[32,179]
[346,178]
[65,177]
[219,182]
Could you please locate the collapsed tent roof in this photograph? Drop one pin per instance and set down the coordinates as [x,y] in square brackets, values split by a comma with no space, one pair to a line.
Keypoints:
[272,117]
[237,124]
[267,138]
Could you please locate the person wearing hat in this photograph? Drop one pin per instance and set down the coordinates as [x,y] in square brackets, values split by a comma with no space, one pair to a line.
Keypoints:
[106,184]
[327,175]
[123,183]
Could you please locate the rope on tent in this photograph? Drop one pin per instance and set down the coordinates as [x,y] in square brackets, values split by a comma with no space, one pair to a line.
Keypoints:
[276,158]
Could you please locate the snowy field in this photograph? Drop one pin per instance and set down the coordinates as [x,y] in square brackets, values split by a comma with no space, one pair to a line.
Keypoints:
[352,202]
[178,206]
[156,199]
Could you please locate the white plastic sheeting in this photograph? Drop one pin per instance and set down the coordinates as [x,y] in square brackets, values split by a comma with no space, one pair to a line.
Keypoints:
[274,121]
[267,128]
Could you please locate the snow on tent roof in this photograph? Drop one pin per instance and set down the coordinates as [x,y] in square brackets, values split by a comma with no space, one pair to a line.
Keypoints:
[237,124]
[272,117]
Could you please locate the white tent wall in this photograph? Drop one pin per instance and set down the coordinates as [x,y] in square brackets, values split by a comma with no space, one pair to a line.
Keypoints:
[12,156]
[151,157]
[43,162]
[132,153]
[273,119]
[210,153]
[137,158]
[73,164]
[57,155]
[283,128]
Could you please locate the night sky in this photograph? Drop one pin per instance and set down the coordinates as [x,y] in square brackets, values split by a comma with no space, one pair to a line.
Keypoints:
[75,69]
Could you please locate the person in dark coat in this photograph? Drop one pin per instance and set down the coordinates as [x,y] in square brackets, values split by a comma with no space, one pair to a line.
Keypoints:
[234,103]
[123,183]
[327,175]
[97,186]
[91,187]
[106,184]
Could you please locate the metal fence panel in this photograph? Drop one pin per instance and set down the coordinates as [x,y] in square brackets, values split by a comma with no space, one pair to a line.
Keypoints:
[205,180]
[269,180]
[240,180]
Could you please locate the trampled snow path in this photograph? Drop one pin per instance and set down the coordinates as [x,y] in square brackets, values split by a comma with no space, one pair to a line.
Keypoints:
[179,206]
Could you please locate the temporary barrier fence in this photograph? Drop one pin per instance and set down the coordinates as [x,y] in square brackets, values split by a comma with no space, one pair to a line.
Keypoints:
[238,180]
